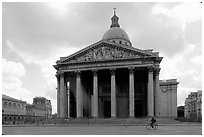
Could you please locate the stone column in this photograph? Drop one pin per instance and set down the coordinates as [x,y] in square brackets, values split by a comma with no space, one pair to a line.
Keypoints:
[95,94]
[131,93]
[62,95]
[157,89]
[150,94]
[65,99]
[113,94]
[79,99]
[58,94]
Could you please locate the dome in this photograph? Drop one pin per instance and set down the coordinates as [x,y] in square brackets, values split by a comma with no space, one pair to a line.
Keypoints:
[116,33]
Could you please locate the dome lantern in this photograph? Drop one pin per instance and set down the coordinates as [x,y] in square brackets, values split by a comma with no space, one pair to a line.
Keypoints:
[115,33]
[114,20]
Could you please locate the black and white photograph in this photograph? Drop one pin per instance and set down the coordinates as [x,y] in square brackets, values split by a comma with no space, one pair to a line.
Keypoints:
[102,68]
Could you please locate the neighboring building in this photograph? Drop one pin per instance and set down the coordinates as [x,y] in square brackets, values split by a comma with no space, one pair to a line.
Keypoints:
[199,103]
[13,110]
[193,105]
[168,98]
[111,78]
[40,107]
[190,105]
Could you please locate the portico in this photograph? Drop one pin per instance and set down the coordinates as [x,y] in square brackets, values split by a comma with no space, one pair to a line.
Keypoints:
[119,92]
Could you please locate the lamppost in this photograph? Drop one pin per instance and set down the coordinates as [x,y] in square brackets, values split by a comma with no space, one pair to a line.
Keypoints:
[67,94]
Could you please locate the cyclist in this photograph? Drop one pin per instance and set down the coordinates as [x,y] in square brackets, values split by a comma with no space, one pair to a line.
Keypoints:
[153,120]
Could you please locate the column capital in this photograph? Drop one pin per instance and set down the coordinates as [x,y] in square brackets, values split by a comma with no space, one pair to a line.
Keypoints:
[150,69]
[59,74]
[113,71]
[131,70]
[78,73]
[95,72]
[157,70]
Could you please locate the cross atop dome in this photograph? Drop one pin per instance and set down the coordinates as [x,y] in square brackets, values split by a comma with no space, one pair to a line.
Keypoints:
[114,20]
[114,11]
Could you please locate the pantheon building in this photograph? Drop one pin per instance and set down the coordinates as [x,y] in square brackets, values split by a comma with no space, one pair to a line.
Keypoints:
[113,79]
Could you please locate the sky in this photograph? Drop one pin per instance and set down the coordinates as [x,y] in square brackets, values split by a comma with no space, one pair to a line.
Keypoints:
[36,35]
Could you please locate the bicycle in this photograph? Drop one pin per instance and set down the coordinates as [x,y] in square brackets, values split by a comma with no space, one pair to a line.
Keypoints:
[155,126]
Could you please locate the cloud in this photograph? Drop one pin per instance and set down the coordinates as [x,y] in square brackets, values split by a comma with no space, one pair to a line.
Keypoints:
[182,45]
[45,61]
[186,68]
[169,28]
[11,80]
[183,93]
[146,22]
[193,32]
[153,30]
[43,26]
[41,54]
[197,60]
[12,68]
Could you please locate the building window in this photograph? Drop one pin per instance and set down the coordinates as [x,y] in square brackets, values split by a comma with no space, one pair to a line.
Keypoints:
[5,104]
[19,105]
[14,105]
[10,105]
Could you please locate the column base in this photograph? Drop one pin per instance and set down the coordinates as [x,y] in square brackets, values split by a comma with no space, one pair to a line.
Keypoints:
[113,117]
[131,117]
[94,118]
[79,118]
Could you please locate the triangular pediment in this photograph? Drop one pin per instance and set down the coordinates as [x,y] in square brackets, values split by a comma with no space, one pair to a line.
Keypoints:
[104,50]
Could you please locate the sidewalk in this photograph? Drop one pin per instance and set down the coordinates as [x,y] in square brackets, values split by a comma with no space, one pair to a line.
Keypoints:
[64,125]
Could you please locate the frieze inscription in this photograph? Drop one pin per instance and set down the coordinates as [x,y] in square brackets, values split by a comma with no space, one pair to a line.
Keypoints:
[101,65]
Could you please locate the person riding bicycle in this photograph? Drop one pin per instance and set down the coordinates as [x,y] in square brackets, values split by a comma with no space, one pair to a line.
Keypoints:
[153,120]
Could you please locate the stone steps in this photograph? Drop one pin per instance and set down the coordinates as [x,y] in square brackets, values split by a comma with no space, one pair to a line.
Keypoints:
[137,121]
[115,121]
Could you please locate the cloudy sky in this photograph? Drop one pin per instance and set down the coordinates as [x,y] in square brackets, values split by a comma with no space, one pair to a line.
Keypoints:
[35,35]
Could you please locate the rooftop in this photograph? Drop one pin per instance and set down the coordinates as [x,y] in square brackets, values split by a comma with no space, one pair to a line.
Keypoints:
[5,97]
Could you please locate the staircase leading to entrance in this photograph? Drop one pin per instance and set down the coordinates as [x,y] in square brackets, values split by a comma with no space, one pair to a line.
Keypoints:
[121,121]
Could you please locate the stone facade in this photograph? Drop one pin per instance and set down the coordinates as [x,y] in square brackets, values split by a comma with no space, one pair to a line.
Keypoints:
[13,110]
[199,103]
[110,79]
[168,98]
[193,105]
[40,107]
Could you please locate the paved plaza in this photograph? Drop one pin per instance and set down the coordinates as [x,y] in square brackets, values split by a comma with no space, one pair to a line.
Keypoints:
[102,130]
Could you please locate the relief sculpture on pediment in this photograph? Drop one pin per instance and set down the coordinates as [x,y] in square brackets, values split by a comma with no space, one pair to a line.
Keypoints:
[104,53]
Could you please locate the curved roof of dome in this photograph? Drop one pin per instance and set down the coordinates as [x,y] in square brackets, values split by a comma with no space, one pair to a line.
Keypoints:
[115,33]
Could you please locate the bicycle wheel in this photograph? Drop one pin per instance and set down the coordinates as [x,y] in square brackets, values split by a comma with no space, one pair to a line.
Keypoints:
[148,126]
[155,126]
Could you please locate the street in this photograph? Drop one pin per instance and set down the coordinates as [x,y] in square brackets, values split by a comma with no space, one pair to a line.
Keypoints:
[102,130]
